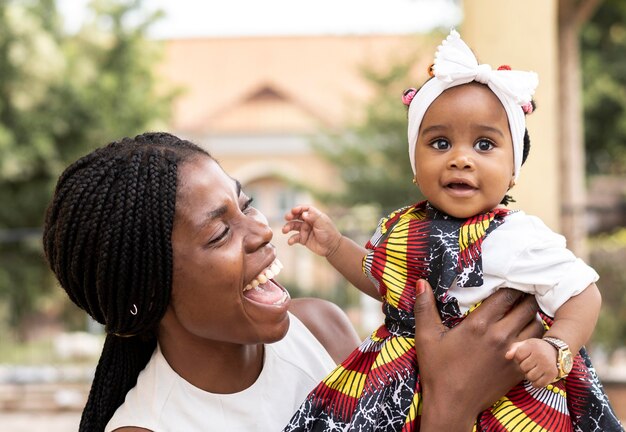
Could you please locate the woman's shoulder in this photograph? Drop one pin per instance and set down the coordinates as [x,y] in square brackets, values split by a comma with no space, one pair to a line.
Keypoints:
[131,429]
[328,323]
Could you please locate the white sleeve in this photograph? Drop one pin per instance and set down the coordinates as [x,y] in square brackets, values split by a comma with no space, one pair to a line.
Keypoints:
[528,256]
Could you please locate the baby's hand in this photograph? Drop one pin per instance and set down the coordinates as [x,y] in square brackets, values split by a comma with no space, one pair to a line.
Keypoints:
[313,229]
[537,360]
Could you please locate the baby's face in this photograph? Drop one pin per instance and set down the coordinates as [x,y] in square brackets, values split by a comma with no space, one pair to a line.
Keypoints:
[464,151]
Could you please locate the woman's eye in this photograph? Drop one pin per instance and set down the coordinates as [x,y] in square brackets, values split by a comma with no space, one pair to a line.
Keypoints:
[247,206]
[440,144]
[219,237]
[484,145]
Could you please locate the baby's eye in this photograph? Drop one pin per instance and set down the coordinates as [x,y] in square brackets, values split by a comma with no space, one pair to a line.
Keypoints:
[440,144]
[484,145]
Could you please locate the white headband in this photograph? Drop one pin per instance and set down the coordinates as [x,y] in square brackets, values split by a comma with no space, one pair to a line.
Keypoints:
[455,64]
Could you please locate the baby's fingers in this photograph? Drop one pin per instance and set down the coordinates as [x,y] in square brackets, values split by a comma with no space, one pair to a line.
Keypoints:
[510,354]
[295,213]
[541,381]
[294,239]
[520,353]
[291,226]
[302,232]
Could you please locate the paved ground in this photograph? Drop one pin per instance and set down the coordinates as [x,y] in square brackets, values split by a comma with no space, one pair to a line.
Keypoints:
[48,422]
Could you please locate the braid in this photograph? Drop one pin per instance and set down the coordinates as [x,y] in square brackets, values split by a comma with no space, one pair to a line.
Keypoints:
[107,238]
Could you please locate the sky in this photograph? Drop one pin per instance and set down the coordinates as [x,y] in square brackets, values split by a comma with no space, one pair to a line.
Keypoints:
[197,18]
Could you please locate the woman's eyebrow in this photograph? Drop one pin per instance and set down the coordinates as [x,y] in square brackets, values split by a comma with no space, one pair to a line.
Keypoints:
[220,211]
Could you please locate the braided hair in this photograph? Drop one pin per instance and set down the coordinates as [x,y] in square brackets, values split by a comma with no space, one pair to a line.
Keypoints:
[107,238]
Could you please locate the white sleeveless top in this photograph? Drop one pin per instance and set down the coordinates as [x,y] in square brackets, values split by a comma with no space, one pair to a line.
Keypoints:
[162,401]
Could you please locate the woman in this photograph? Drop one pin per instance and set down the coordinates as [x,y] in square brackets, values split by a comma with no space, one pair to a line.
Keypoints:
[155,241]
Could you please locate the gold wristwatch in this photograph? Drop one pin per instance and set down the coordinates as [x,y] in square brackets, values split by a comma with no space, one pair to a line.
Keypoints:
[564,360]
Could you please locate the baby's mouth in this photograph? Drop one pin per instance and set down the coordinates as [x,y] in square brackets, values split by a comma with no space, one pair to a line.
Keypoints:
[459,186]
[264,290]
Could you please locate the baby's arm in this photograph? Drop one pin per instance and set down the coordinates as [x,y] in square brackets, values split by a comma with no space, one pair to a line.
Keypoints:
[573,323]
[316,231]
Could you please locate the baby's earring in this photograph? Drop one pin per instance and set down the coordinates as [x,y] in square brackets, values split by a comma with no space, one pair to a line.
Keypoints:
[512,184]
[414,181]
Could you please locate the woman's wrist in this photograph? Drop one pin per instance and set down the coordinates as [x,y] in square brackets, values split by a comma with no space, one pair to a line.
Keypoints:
[435,420]
[438,414]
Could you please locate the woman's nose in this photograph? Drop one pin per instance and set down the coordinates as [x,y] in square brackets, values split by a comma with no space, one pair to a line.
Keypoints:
[259,232]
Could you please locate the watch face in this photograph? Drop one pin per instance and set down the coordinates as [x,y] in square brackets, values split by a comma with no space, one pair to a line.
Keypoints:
[567,361]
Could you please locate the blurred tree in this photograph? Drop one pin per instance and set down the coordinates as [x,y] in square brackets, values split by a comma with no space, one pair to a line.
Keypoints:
[603,55]
[371,154]
[608,254]
[572,16]
[61,96]
[603,44]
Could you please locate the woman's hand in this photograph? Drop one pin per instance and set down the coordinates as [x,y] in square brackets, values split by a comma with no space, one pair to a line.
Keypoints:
[463,370]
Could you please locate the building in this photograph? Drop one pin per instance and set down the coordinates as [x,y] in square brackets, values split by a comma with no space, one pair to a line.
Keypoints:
[256,102]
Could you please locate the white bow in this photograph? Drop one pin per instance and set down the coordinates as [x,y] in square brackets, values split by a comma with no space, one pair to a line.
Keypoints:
[455,64]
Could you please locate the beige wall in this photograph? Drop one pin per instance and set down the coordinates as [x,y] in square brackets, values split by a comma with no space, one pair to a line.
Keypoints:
[523,35]
[254,101]
[319,75]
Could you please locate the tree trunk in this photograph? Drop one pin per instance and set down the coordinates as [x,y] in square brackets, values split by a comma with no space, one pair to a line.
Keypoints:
[572,15]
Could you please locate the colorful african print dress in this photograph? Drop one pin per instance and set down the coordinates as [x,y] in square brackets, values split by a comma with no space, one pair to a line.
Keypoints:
[377,388]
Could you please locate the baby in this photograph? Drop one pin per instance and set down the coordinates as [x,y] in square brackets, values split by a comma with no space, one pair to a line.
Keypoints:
[467,142]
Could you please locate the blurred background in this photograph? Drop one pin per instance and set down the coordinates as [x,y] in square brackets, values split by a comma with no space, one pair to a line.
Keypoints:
[300,101]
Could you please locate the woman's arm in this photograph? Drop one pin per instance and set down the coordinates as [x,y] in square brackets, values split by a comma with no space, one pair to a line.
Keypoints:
[464,367]
[329,324]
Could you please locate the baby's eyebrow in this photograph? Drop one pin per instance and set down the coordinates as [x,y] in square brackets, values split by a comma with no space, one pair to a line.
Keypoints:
[433,128]
[492,129]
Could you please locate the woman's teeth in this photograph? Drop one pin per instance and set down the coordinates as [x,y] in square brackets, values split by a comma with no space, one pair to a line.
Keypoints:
[267,274]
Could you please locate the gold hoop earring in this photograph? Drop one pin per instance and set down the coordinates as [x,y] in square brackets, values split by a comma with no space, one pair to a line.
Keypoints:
[414,181]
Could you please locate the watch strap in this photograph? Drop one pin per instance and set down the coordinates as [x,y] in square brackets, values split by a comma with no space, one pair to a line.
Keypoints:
[556,343]
[564,359]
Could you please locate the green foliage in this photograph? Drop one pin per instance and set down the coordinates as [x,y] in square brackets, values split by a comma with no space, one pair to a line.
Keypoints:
[603,48]
[371,155]
[608,255]
[60,97]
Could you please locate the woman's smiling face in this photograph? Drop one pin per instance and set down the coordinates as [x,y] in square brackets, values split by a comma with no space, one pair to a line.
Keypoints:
[221,247]
[464,151]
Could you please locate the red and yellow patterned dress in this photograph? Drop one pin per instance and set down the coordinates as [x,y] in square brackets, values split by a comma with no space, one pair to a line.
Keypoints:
[377,388]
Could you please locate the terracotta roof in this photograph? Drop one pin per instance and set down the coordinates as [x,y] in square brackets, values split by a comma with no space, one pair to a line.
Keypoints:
[267,84]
